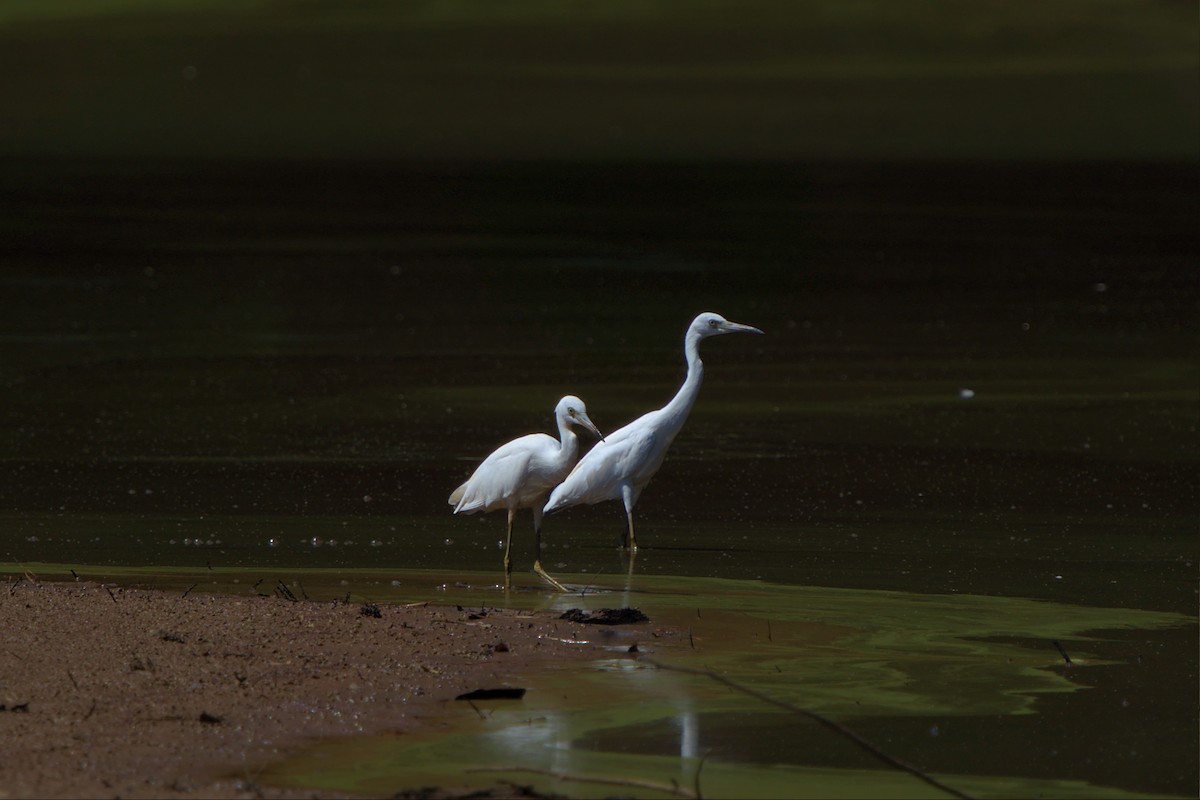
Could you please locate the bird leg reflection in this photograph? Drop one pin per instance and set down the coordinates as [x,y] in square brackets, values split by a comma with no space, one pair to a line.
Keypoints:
[629,572]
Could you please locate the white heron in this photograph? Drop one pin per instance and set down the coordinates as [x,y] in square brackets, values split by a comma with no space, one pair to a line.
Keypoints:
[521,474]
[620,466]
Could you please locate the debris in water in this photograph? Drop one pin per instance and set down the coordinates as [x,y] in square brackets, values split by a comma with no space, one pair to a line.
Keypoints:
[605,616]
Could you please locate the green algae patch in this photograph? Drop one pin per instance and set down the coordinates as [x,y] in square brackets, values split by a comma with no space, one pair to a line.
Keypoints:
[845,651]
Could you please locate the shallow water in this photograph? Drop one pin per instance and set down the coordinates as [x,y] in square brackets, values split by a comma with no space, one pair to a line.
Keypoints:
[972,689]
[970,429]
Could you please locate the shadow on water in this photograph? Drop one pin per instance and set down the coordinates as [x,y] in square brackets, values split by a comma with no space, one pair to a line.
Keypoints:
[969,431]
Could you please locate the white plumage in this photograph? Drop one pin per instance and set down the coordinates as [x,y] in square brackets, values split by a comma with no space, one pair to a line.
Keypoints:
[521,474]
[620,466]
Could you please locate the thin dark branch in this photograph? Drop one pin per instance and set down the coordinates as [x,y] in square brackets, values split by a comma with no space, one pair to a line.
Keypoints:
[700,766]
[583,592]
[638,783]
[837,727]
[283,591]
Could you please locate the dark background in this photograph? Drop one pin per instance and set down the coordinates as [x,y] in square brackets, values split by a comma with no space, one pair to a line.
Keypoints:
[623,80]
[277,274]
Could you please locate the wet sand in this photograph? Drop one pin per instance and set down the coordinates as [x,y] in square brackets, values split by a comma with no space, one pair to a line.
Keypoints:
[118,692]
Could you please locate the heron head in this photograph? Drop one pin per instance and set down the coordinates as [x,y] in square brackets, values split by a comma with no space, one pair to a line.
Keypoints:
[710,324]
[572,409]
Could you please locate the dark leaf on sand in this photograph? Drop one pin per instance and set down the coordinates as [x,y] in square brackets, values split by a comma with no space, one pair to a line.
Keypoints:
[493,694]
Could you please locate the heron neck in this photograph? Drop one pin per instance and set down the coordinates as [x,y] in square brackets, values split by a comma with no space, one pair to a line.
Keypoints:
[568,442]
[681,404]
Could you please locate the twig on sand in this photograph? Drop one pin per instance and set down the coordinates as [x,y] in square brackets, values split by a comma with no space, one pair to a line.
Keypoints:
[637,783]
[837,727]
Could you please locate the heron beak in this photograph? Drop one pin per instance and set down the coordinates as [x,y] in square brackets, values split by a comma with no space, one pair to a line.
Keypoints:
[737,327]
[583,420]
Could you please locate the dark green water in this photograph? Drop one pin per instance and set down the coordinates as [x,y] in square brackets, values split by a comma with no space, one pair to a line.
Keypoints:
[979,381]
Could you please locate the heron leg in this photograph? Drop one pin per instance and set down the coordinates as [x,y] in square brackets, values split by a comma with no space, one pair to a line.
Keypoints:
[537,547]
[537,529]
[548,578]
[512,514]
[628,496]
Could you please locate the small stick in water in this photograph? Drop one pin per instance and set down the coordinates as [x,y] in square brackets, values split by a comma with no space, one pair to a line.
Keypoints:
[1062,652]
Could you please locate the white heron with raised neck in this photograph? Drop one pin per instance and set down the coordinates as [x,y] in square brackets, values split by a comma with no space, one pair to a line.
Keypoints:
[620,466]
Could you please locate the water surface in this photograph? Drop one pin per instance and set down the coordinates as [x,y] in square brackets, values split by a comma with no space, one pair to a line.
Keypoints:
[969,430]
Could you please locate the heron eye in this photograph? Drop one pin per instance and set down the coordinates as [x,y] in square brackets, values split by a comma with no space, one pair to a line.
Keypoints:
[712,323]
[571,411]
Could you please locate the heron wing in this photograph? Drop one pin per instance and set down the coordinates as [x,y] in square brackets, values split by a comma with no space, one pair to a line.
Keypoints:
[498,478]
[642,456]
[516,473]
[600,474]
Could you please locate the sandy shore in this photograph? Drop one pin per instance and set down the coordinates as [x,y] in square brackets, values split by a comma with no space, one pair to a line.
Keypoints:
[116,692]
